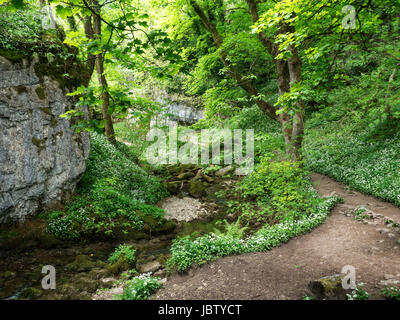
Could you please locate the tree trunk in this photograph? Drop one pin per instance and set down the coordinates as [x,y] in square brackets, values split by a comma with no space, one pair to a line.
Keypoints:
[282,77]
[294,64]
[388,106]
[287,74]
[103,81]
[88,27]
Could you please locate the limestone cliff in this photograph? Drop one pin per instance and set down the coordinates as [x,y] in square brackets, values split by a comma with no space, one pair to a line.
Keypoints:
[41,157]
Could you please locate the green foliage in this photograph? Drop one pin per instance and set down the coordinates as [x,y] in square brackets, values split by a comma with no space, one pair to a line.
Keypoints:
[232,230]
[391,222]
[274,192]
[22,35]
[107,162]
[125,252]
[360,215]
[115,193]
[19,30]
[131,134]
[139,288]
[392,293]
[186,252]
[370,167]
[354,136]
[358,294]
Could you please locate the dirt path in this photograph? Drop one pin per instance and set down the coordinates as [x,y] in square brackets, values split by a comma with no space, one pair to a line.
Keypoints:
[371,246]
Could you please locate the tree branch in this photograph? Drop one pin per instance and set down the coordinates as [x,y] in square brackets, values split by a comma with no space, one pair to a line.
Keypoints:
[245,84]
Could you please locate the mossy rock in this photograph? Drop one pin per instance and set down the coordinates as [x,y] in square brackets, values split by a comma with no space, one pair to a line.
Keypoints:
[77,74]
[30,293]
[41,93]
[12,55]
[197,189]
[100,264]
[185,175]
[328,288]
[157,226]
[188,167]
[163,258]
[176,170]
[39,143]
[98,273]
[25,242]
[174,187]
[78,287]
[224,171]
[35,275]
[69,292]
[118,267]
[21,89]
[8,274]
[211,194]
[82,263]
[5,293]
[86,284]
[137,235]
[48,241]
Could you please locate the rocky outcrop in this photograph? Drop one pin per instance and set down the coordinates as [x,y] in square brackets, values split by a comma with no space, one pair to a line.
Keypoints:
[41,157]
[328,288]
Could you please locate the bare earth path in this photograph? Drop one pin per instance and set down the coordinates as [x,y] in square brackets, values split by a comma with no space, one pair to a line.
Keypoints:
[372,247]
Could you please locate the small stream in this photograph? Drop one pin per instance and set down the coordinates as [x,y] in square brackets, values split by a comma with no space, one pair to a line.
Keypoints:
[22,260]
[21,264]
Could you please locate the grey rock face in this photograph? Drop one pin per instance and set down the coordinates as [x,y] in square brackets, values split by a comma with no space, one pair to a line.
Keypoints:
[41,158]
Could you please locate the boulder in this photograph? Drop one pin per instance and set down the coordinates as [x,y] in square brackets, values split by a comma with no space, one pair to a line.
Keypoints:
[174,187]
[197,189]
[161,273]
[150,267]
[118,267]
[328,288]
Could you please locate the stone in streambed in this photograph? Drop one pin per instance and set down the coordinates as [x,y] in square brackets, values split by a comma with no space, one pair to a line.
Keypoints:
[186,176]
[197,189]
[108,282]
[224,171]
[82,263]
[183,209]
[174,187]
[157,226]
[150,267]
[208,178]
[30,293]
[161,273]
[97,273]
